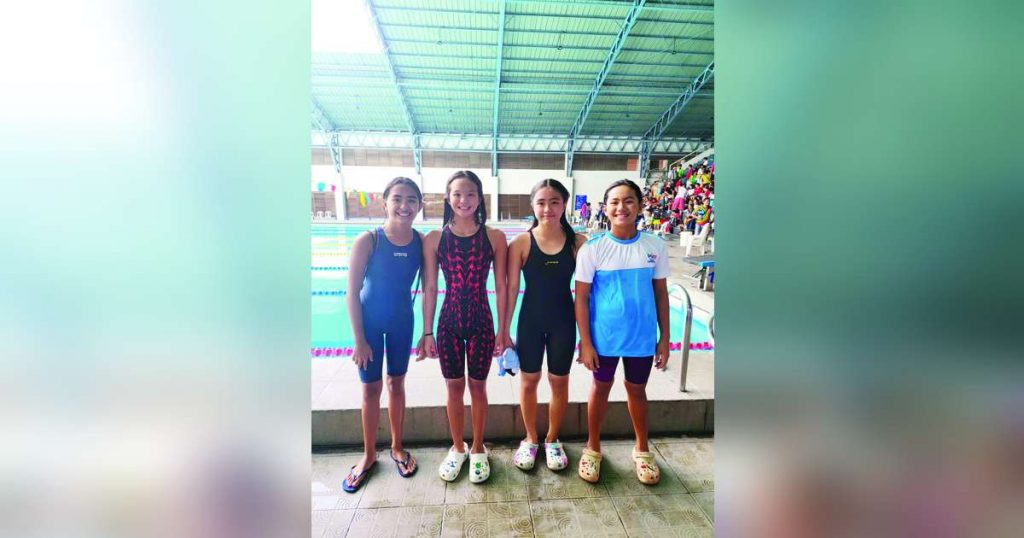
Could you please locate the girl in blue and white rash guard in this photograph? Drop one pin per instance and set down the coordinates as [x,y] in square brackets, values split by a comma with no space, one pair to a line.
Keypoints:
[622,312]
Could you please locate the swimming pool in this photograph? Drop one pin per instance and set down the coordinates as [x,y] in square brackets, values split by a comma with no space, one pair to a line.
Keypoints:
[331,330]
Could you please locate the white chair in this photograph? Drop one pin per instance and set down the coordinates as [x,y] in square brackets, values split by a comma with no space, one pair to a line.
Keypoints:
[698,241]
[319,215]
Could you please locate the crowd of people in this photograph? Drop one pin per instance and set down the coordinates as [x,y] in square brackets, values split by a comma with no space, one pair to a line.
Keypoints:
[682,202]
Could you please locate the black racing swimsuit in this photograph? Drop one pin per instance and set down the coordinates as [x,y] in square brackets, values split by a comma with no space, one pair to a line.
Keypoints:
[547,316]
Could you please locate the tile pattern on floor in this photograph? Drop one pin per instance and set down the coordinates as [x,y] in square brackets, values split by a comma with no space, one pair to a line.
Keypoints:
[514,503]
[662,515]
[693,462]
[494,520]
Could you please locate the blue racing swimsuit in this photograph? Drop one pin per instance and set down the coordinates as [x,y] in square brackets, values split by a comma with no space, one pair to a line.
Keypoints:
[387,304]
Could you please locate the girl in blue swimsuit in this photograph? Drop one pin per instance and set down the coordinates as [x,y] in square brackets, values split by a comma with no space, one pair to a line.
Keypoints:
[382,268]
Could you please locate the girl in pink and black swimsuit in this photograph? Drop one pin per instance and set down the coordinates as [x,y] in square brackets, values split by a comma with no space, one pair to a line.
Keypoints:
[465,249]
[465,331]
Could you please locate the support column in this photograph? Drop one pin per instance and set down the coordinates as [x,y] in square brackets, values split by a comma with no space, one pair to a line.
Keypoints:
[570,185]
[337,157]
[418,178]
[495,190]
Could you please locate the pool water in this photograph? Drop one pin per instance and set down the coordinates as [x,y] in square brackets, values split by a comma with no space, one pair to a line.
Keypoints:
[331,330]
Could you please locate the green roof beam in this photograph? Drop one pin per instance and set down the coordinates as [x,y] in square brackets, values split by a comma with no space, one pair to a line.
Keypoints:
[656,131]
[497,89]
[409,119]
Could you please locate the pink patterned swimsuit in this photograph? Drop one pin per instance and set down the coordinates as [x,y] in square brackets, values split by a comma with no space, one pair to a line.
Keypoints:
[465,330]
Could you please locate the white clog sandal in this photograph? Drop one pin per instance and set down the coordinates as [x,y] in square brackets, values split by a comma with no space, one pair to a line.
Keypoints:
[479,467]
[555,456]
[526,456]
[452,464]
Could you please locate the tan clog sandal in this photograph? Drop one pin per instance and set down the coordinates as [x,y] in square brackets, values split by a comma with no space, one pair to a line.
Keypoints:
[647,470]
[590,466]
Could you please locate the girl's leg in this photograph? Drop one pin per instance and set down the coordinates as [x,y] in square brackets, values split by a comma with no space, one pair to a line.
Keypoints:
[638,370]
[561,350]
[451,349]
[636,401]
[396,413]
[528,404]
[556,409]
[478,396]
[371,419]
[372,386]
[479,350]
[456,411]
[399,341]
[597,406]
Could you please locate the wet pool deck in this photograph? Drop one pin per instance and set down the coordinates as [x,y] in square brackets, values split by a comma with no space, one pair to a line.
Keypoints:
[516,503]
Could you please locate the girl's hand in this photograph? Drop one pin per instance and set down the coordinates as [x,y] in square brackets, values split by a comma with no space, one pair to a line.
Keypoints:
[362,355]
[502,341]
[661,354]
[588,357]
[426,348]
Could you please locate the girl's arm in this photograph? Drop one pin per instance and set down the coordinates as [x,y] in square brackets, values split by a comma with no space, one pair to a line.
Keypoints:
[661,352]
[588,355]
[580,239]
[500,247]
[362,354]
[514,266]
[427,346]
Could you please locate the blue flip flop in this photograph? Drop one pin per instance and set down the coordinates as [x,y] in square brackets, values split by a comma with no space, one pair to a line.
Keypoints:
[360,478]
[399,464]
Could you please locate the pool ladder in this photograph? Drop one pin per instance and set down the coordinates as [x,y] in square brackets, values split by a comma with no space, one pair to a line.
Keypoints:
[686,332]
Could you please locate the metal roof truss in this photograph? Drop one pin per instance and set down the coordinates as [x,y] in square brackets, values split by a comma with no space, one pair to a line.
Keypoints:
[506,143]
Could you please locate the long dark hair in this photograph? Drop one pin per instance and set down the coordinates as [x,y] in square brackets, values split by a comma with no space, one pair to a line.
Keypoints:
[570,234]
[481,210]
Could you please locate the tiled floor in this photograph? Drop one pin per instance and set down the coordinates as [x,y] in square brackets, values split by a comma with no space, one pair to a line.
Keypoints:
[516,503]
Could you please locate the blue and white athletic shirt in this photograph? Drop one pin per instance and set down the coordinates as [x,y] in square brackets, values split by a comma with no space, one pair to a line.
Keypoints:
[623,314]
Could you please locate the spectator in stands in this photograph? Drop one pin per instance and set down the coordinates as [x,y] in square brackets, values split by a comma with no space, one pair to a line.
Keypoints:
[666,228]
[702,215]
[679,202]
[688,216]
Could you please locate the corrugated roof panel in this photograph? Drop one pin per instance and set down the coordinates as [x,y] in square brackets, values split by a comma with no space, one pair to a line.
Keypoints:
[441,35]
[444,52]
[569,7]
[404,63]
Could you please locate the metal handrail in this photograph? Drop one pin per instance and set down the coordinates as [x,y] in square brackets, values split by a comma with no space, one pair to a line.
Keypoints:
[686,334]
[711,328]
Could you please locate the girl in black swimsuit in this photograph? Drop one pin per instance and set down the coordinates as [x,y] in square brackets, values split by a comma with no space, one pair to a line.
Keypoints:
[546,255]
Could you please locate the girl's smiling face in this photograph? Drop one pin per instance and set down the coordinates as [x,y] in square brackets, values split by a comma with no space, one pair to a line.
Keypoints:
[464,198]
[548,205]
[622,207]
[402,204]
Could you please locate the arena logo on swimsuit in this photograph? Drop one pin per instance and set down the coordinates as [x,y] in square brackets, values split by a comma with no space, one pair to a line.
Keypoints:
[551,262]
[402,254]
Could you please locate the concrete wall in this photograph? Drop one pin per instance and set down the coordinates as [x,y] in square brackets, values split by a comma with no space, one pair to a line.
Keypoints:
[510,181]
[593,183]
